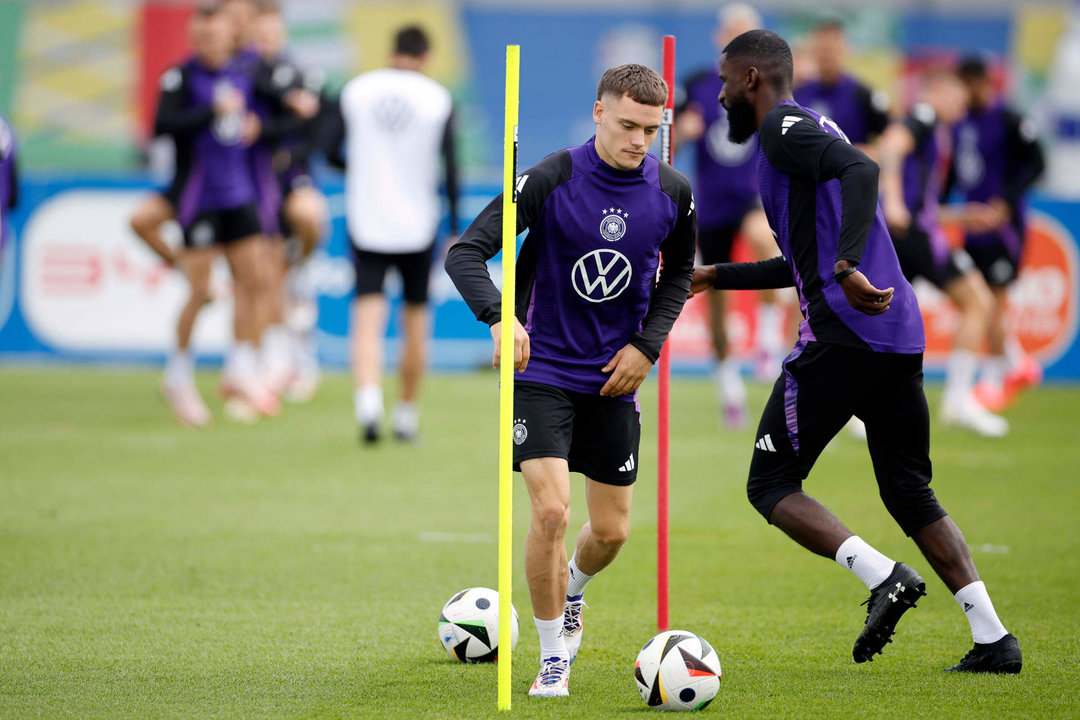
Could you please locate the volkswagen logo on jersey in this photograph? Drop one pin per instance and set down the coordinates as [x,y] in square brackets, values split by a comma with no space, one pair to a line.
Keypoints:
[613,226]
[601,275]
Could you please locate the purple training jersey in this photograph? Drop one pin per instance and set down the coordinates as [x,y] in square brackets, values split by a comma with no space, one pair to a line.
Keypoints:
[805,211]
[725,173]
[860,112]
[9,150]
[587,272]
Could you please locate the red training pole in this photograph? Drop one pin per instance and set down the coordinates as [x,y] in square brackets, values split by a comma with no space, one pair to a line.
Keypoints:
[664,380]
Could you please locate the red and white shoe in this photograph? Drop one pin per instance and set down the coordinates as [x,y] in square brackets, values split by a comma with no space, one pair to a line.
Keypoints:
[252,392]
[187,405]
[1026,375]
[991,396]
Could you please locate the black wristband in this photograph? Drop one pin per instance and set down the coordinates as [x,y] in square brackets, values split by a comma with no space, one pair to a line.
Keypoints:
[837,277]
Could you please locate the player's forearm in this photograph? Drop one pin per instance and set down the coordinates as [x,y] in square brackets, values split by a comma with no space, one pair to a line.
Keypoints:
[174,120]
[669,295]
[761,275]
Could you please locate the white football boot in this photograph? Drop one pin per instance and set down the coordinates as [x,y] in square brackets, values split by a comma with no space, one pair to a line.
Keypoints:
[970,415]
[553,679]
[573,625]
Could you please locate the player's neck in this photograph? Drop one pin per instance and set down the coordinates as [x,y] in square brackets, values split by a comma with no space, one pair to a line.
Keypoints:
[407,62]
[768,99]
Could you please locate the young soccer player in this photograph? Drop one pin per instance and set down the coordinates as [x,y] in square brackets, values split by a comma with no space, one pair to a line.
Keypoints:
[859,352]
[591,320]
[9,181]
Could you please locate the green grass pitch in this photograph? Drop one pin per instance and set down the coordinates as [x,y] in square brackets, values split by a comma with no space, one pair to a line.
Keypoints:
[281,571]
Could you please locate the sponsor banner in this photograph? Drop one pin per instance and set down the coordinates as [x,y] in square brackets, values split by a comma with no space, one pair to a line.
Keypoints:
[78,285]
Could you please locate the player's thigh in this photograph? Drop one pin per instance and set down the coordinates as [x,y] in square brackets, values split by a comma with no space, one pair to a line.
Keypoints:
[609,510]
[543,422]
[198,266]
[898,436]
[370,271]
[606,439]
[969,292]
[153,211]
[714,243]
[415,270]
[548,483]
[305,204]
[758,234]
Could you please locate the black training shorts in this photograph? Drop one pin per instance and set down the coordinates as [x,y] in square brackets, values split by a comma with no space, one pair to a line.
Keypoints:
[822,385]
[597,435]
[919,258]
[714,243]
[221,227]
[998,259]
[414,268]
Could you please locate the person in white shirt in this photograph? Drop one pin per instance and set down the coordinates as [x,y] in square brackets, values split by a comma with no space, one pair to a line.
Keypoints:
[394,130]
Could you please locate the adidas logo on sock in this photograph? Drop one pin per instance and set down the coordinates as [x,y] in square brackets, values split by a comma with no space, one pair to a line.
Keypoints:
[850,561]
[765,444]
[968,606]
[628,465]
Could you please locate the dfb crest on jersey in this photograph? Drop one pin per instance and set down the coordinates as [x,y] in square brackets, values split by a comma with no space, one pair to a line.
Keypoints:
[601,275]
[613,226]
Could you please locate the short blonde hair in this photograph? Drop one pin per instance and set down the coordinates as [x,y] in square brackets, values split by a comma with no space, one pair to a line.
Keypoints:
[642,84]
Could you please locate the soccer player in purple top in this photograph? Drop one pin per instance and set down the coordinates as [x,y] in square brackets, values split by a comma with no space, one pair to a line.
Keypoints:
[728,204]
[996,158]
[859,352]
[910,187]
[861,112]
[9,182]
[590,325]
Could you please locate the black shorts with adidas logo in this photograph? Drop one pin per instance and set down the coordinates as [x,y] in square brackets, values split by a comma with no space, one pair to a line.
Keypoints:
[598,436]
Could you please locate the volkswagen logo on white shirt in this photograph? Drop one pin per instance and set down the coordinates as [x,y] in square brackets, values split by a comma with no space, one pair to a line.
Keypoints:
[601,275]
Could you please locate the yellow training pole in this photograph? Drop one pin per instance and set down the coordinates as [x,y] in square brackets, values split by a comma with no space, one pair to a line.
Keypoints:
[506,373]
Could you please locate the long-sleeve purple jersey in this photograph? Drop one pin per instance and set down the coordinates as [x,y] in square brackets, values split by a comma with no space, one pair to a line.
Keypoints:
[725,173]
[821,202]
[212,160]
[9,180]
[860,112]
[587,272]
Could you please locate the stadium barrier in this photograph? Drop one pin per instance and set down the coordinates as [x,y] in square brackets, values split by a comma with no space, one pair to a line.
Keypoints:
[78,286]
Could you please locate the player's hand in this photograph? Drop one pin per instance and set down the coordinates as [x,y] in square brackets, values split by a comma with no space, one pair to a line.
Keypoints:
[703,279]
[1000,211]
[628,369]
[302,102]
[249,135]
[863,296]
[977,217]
[521,346]
[227,102]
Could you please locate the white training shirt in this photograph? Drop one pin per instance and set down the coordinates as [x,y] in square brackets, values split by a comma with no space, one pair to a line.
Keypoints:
[395,121]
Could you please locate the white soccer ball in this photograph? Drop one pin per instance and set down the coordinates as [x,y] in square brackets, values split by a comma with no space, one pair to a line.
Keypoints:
[469,626]
[677,670]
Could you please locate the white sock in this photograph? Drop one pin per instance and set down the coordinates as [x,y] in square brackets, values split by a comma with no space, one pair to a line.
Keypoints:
[979,610]
[575,586]
[274,351]
[179,369]
[368,402]
[1014,353]
[729,385]
[769,337]
[406,418]
[960,377]
[552,643]
[241,361]
[865,562]
[994,369]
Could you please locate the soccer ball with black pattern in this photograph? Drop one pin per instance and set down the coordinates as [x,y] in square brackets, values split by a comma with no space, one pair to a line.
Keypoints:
[677,670]
[469,626]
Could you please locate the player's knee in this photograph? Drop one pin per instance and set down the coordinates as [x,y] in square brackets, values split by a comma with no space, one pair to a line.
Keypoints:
[764,491]
[552,519]
[612,535]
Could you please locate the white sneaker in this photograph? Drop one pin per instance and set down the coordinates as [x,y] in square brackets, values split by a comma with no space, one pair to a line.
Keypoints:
[406,422]
[187,405]
[573,626]
[553,679]
[970,415]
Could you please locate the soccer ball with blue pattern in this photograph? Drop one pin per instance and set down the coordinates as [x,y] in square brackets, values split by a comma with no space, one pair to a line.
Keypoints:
[677,670]
[469,626]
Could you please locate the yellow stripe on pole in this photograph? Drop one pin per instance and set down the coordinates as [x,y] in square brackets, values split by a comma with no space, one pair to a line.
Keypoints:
[506,374]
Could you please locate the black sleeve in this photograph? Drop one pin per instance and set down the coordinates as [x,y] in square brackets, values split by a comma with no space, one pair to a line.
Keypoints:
[949,183]
[174,117]
[13,183]
[466,261]
[332,134]
[761,275]
[1025,160]
[794,144]
[682,90]
[272,82]
[449,153]
[921,123]
[676,268]
[875,107]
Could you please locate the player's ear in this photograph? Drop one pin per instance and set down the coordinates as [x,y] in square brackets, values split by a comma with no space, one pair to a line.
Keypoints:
[752,78]
[598,112]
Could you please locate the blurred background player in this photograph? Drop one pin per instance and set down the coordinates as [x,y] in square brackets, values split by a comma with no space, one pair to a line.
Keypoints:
[303,207]
[996,158]
[861,112]
[725,184]
[9,184]
[397,126]
[596,315]
[204,106]
[910,186]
